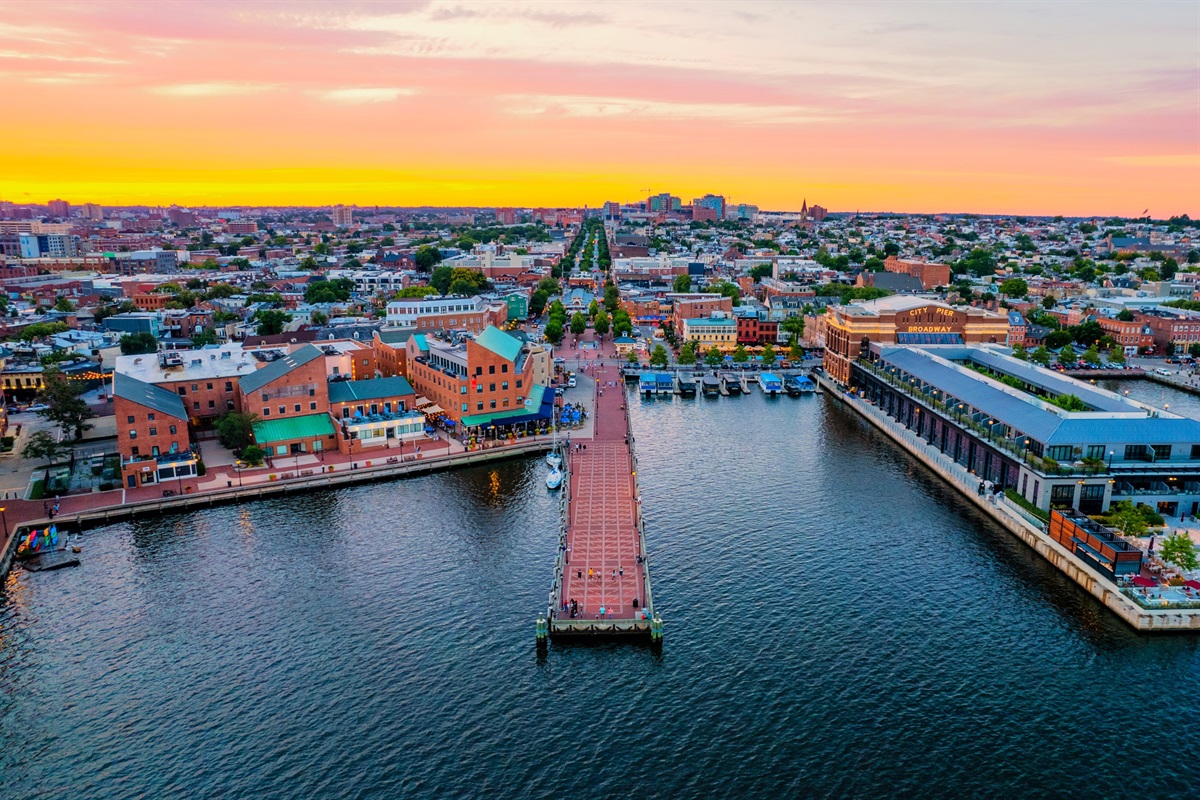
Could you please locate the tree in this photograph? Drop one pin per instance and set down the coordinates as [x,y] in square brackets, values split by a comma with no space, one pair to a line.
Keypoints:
[740,355]
[235,429]
[204,338]
[593,309]
[659,357]
[63,403]
[793,326]
[796,352]
[713,357]
[318,318]
[600,323]
[760,271]
[537,302]
[1194,350]
[137,344]
[1048,302]
[1019,352]
[1126,518]
[43,445]
[554,331]
[63,304]
[768,354]
[426,256]
[1067,355]
[271,321]
[1040,356]
[633,357]
[415,291]
[683,283]
[1092,355]
[687,355]
[1014,287]
[42,330]
[730,290]
[334,291]
[1125,315]
[578,323]
[1179,550]
[253,455]
[441,278]
[1116,355]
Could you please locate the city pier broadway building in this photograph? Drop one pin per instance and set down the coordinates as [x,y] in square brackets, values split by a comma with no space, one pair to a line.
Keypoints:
[850,329]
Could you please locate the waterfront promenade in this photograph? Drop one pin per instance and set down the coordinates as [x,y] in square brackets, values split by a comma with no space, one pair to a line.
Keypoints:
[602,582]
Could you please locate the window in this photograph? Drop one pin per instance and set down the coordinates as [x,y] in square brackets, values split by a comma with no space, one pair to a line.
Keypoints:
[283,409]
[297,408]
[462,389]
[150,417]
[266,412]
[134,451]
[1162,452]
[196,406]
[229,386]
[1136,452]
[519,383]
[132,434]
[1062,496]
[154,450]
[129,419]
[504,386]
[210,386]
[265,397]
[173,431]
[479,406]
[491,369]
[154,431]
[195,387]
[1059,452]
[479,370]
[1095,451]
[312,392]
[182,391]
[1196,451]
[491,387]
[505,402]
[504,367]
[492,404]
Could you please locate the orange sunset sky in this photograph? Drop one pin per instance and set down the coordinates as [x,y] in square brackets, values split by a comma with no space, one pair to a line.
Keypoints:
[1042,108]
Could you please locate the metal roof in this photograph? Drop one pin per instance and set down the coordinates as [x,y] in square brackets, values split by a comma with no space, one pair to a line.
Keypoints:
[147,394]
[499,342]
[1054,382]
[376,389]
[277,369]
[286,429]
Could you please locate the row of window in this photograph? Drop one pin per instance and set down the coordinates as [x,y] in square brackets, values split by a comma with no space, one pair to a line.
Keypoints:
[196,387]
[266,412]
[153,430]
[154,450]
[1133,452]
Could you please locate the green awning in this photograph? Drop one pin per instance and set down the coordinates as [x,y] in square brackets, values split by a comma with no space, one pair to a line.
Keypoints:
[289,429]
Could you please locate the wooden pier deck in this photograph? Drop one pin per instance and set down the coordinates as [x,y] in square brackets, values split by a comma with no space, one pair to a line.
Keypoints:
[602,582]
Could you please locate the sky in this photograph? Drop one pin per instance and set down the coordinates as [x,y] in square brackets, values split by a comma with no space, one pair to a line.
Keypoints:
[1073,108]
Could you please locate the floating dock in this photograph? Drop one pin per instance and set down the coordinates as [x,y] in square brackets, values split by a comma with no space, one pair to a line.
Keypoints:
[602,578]
[46,562]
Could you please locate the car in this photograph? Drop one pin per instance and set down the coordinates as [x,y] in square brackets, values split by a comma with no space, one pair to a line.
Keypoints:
[571,384]
[559,360]
[1161,371]
[38,407]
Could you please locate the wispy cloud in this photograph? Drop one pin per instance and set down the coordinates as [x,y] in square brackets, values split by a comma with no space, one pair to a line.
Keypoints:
[214,89]
[21,54]
[615,107]
[1179,160]
[355,95]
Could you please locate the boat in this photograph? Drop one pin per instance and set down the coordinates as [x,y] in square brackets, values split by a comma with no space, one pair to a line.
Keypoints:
[554,459]
[800,384]
[554,479]
[733,384]
[687,384]
[710,385]
[770,383]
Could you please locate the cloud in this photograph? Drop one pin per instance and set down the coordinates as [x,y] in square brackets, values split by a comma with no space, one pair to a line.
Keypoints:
[214,89]
[355,95]
[52,57]
[615,107]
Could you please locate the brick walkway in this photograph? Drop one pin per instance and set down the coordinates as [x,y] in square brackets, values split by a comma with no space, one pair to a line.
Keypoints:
[602,533]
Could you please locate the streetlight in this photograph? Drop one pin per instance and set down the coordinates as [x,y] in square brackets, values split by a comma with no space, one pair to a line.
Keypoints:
[4,517]
[1111,453]
[1026,456]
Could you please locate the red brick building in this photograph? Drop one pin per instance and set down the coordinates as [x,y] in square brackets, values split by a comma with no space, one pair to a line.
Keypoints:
[754,331]
[481,378]
[1128,334]
[152,434]
[1178,328]
[290,395]
[930,275]
[697,306]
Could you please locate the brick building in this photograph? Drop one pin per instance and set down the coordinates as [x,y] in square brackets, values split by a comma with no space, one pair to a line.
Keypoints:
[1173,327]
[152,434]
[930,275]
[391,352]
[697,306]
[1131,334]
[205,380]
[290,395]
[755,330]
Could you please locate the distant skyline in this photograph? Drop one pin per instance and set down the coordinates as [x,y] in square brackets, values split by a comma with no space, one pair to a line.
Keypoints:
[1017,108]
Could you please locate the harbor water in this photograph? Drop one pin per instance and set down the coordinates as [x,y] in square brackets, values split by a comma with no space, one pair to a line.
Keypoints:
[839,623]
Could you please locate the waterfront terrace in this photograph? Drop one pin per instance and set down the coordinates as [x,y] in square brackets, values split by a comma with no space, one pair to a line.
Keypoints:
[1001,418]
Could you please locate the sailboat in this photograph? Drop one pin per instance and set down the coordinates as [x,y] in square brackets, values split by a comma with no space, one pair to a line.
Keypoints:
[554,458]
[554,479]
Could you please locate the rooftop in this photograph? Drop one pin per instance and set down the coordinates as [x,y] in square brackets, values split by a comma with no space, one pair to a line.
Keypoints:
[277,369]
[221,362]
[376,389]
[148,395]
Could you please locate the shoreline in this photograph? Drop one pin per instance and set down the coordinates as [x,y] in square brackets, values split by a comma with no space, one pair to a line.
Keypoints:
[1143,620]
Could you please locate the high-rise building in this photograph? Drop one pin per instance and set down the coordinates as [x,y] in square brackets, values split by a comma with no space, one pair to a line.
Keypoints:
[714,201]
[93,212]
[59,208]
[612,210]
[506,216]
[818,213]
[342,216]
[663,202]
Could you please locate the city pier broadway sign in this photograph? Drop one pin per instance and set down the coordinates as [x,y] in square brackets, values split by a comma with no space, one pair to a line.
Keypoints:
[931,319]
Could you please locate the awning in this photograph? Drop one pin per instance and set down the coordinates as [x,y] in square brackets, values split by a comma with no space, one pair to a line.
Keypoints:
[421,401]
[1138,580]
[310,426]
[433,409]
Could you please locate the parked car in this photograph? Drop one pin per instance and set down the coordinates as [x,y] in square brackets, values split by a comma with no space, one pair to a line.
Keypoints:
[571,384]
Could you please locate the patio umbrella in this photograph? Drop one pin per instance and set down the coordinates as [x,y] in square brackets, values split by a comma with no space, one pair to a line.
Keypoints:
[1138,580]
[1192,584]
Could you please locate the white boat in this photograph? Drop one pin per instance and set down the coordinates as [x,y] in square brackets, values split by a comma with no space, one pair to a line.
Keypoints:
[554,479]
[554,459]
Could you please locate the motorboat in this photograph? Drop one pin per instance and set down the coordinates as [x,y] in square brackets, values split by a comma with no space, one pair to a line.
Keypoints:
[770,383]
[554,459]
[554,479]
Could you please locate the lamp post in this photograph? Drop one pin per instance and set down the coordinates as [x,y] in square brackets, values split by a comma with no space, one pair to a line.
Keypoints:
[1026,454]
[4,518]
[1111,453]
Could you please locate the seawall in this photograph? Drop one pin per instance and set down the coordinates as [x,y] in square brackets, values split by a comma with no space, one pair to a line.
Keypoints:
[1013,520]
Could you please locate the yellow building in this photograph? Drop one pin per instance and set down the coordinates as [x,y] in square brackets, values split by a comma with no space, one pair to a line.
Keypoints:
[708,332]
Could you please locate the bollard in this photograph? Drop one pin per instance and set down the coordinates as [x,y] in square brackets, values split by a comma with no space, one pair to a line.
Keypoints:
[656,629]
[542,628]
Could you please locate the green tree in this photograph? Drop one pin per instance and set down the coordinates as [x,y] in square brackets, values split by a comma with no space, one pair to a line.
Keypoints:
[43,445]
[426,257]
[64,406]
[1041,356]
[441,278]
[622,324]
[63,304]
[1116,355]
[1067,355]
[1126,518]
[1194,350]
[796,352]
[235,429]
[687,355]
[1125,315]
[612,298]
[1019,352]
[1179,550]
[740,355]
[537,302]
[554,331]
[204,338]
[1069,402]
[600,323]
[683,283]
[1014,287]
[713,357]
[415,291]
[42,330]
[768,354]
[1092,356]
[578,323]
[137,344]
[659,357]
[793,326]
[271,321]
[318,318]
[760,271]
[633,357]
[1048,302]
[334,291]
[593,309]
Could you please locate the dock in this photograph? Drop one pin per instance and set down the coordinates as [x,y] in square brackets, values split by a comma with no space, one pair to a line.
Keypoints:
[47,562]
[602,578]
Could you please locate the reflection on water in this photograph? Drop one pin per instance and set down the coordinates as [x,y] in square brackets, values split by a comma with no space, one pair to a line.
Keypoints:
[838,623]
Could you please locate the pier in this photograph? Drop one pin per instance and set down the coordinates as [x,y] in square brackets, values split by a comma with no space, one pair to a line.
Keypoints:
[602,579]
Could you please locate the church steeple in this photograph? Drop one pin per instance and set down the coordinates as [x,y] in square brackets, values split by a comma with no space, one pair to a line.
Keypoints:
[804,209]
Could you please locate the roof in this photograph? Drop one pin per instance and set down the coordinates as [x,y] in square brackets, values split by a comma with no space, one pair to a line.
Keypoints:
[287,429]
[277,369]
[395,336]
[421,342]
[379,388]
[499,342]
[538,396]
[147,394]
